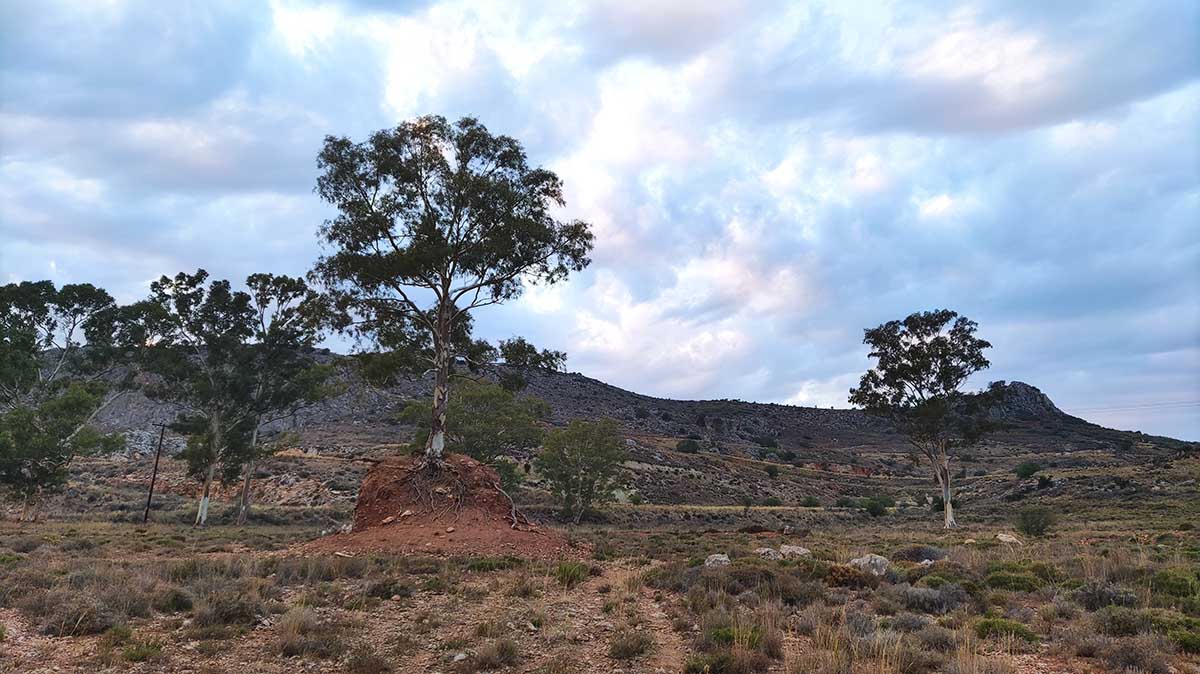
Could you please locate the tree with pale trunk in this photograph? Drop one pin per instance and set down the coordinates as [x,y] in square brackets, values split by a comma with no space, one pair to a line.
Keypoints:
[200,361]
[922,362]
[60,356]
[287,378]
[435,220]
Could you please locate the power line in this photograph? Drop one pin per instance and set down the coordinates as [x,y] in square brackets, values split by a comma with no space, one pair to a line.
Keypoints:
[1172,405]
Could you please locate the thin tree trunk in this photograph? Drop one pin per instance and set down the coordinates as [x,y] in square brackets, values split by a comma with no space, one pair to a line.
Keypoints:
[947,506]
[435,446]
[202,511]
[215,455]
[244,499]
[24,509]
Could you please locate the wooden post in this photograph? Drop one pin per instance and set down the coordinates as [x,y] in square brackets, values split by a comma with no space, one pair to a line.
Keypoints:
[162,428]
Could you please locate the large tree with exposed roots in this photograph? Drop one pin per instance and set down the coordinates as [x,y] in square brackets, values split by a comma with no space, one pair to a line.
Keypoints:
[437,219]
[921,365]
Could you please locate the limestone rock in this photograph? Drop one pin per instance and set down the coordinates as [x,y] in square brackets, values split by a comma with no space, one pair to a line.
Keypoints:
[717,560]
[872,564]
[768,553]
[794,551]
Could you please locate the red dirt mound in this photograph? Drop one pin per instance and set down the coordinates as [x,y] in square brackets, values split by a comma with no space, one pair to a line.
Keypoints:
[459,510]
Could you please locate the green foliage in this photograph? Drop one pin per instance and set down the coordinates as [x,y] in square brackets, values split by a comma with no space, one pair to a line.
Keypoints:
[581,463]
[1121,621]
[810,502]
[772,501]
[448,212]
[1003,627]
[485,421]
[1177,582]
[921,364]
[570,574]
[1018,582]
[1035,521]
[772,471]
[688,445]
[38,443]
[1027,470]
[57,346]
[877,506]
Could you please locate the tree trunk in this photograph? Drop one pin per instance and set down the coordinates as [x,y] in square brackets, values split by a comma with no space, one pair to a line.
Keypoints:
[214,456]
[244,498]
[202,511]
[435,446]
[947,506]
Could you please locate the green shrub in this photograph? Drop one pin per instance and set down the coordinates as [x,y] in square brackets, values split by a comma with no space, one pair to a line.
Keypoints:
[772,471]
[485,564]
[772,501]
[1027,470]
[1176,583]
[1186,640]
[875,507]
[992,627]
[142,652]
[1121,621]
[1035,521]
[688,446]
[1017,582]
[570,574]
[810,502]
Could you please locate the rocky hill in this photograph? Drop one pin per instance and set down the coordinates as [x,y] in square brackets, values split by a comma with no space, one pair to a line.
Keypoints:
[363,418]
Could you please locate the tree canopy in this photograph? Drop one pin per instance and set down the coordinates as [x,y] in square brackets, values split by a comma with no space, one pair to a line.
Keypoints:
[922,362]
[435,220]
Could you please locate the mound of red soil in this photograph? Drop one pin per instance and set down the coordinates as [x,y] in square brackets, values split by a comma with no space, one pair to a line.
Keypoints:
[458,510]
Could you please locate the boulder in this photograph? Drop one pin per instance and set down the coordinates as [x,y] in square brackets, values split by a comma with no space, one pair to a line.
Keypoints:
[717,560]
[768,553]
[872,564]
[794,551]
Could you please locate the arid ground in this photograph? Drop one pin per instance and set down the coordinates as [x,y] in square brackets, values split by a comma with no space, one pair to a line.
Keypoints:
[1109,588]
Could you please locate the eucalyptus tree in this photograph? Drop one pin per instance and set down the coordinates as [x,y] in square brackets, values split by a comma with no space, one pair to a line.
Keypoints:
[59,352]
[921,365]
[200,362]
[287,319]
[436,220]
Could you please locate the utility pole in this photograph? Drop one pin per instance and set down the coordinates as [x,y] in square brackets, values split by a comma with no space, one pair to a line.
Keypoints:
[162,428]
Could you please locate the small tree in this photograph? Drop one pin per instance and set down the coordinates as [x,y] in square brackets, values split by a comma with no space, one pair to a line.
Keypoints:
[201,362]
[59,352]
[921,364]
[486,422]
[581,463]
[287,324]
[434,221]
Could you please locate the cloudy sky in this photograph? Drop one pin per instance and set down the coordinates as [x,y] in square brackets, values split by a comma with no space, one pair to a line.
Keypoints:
[765,179]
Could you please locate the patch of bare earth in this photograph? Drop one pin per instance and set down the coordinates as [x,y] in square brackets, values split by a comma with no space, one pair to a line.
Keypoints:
[460,509]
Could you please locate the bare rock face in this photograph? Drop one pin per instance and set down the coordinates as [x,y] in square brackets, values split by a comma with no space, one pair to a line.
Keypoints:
[1020,400]
[717,560]
[873,564]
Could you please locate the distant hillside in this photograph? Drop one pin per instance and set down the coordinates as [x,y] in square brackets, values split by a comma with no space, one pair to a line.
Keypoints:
[364,417]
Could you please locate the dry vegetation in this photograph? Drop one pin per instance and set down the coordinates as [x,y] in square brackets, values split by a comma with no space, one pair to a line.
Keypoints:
[1110,588]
